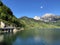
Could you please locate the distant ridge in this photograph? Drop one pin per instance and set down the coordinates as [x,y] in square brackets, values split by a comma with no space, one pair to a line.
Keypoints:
[31,23]
[48,17]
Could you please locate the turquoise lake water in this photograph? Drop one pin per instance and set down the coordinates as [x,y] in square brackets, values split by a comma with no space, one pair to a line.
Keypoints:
[32,37]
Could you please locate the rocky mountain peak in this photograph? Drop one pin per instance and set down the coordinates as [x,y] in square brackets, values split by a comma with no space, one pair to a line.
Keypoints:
[48,15]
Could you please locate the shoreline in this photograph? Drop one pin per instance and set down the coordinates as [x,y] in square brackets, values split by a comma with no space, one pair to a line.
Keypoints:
[16,30]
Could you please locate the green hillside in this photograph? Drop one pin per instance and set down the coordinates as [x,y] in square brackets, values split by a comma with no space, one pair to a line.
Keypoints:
[31,23]
[6,15]
[57,23]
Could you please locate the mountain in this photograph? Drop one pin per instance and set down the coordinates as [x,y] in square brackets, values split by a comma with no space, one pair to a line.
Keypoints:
[31,23]
[6,15]
[48,17]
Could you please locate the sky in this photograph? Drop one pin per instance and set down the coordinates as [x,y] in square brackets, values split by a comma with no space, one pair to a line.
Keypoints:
[31,8]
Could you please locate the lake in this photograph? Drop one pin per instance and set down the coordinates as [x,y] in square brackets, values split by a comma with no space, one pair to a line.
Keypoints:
[31,37]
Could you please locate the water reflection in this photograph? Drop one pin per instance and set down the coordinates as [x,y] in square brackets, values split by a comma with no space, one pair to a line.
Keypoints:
[1,38]
[6,38]
[31,37]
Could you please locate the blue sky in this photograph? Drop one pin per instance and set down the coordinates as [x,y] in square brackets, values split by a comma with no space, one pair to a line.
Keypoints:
[31,8]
